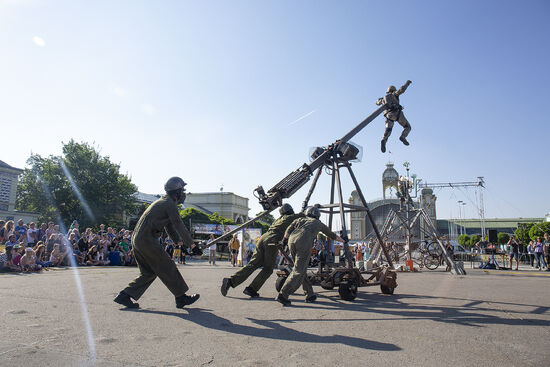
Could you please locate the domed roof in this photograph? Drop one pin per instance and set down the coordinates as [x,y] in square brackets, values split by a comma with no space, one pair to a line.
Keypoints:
[390,174]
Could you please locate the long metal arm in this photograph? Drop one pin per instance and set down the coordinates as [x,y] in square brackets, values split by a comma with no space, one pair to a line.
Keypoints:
[295,180]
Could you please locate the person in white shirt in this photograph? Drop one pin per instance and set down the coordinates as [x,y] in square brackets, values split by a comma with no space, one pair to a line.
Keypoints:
[212,251]
[32,234]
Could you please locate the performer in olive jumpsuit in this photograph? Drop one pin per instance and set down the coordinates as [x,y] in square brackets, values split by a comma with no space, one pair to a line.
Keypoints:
[150,256]
[300,235]
[394,112]
[265,255]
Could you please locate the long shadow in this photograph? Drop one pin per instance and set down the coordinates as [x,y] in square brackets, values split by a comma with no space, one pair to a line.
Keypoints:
[396,305]
[269,330]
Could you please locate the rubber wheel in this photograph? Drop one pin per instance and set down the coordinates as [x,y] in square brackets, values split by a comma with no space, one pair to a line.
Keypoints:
[327,287]
[347,291]
[279,283]
[431,262]
[386,290]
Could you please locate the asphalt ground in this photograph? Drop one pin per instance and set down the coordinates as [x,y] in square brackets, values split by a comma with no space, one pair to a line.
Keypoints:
[486,318]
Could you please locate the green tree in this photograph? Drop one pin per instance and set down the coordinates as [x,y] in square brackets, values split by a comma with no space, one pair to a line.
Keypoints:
[538,230]
[79,184]
[464,240]
[522,233]
[267,219]
[475,238]
[502,238]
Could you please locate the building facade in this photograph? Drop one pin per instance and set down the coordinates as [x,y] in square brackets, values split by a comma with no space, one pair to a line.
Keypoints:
[9,177]
[226,204]
[361,228]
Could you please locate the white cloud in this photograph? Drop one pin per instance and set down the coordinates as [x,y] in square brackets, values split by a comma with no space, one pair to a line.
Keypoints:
[148,109]
[119,91]
[39,41]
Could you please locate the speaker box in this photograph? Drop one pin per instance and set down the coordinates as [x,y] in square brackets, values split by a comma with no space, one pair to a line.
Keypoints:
[492,235]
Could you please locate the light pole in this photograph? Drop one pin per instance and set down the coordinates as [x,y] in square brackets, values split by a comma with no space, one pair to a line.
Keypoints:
[460,216]
[463,216]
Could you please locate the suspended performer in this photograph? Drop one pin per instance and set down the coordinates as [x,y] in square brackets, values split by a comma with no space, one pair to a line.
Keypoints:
[394,112]
[150,256]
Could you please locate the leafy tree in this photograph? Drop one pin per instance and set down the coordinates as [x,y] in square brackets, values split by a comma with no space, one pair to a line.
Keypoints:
[218,219]
[538,230]
[474,239]
[464,240]
[502,238]
[522,233]
[80,184]
[267,219]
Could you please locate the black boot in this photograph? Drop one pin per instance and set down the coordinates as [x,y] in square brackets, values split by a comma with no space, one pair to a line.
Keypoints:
[404,140]
[251,292]
[124,299]
[186,300]
[226,284]
[311,298]
[383,146]
[282,300]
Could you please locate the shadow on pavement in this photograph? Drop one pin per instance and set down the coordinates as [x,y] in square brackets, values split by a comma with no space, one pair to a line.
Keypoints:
[269,330]
[415,307]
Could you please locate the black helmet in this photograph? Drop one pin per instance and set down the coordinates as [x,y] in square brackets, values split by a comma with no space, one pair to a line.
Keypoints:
[173,184]
[176,186]
[313,212]
[286,209]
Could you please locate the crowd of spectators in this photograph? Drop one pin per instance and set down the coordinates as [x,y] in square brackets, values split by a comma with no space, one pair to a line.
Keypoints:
[28,248]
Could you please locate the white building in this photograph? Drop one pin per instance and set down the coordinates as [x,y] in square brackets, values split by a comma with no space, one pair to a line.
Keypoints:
[226,204]
[8,192]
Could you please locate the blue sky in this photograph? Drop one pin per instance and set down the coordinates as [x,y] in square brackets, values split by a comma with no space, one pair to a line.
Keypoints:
[209,91]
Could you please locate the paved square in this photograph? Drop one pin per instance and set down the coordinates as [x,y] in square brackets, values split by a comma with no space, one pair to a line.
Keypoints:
[433,319]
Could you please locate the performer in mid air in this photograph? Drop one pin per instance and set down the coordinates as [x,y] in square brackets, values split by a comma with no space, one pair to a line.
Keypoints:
[394,112]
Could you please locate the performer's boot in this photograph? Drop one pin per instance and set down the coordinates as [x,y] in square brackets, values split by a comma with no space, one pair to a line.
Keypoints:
[249,291]
[383,146]
[404,140]
[124,299]
[186,300]
[226,284]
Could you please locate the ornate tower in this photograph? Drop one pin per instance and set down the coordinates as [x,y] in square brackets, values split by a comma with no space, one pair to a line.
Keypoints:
[390,178]
[357,219]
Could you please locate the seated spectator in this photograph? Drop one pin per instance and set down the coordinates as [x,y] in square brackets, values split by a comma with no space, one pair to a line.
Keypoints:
[101,258]
[20,229]
[49,231]
[42,232]
[124,246]
[83,244]
[17,254]
[52,239]
[28,261]
[79,257]
[130,259]
[12,241]
[104,242]
[8,230]
[58,255]
[41,258]
[6,261]
[91,258]
[32,235]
